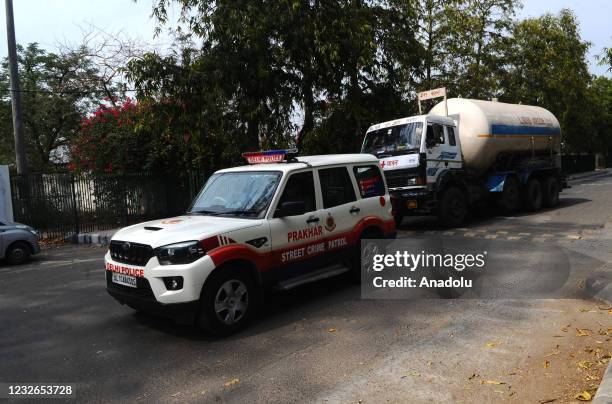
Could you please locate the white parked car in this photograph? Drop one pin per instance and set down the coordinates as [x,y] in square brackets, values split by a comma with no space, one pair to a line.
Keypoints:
[280,221]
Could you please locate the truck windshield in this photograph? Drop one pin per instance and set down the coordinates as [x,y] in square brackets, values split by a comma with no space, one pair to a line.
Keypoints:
[241,194]
[394,140]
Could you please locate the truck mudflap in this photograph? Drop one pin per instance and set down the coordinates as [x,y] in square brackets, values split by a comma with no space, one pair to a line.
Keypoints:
[411,201]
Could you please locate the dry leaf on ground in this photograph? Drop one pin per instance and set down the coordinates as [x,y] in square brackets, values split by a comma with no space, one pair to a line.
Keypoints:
[232,382]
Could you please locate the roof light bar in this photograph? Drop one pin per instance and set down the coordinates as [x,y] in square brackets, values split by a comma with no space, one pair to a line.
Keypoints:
[270,156]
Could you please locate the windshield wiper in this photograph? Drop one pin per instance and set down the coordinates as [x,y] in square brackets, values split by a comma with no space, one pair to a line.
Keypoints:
[204,212]
[240,212]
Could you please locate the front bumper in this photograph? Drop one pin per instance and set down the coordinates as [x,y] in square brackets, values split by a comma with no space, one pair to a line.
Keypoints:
[35,247]
[151,287]
[143,299]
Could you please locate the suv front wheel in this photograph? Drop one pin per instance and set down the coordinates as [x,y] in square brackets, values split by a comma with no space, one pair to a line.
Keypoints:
[228,301]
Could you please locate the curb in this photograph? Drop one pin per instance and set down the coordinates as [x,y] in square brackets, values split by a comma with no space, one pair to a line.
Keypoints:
[93,238]
[604,392]
[587,175]
[600,288]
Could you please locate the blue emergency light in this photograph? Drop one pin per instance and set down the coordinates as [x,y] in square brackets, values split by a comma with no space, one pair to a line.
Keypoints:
[271,156]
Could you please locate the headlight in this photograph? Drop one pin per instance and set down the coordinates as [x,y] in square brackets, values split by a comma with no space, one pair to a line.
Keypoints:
[179,253]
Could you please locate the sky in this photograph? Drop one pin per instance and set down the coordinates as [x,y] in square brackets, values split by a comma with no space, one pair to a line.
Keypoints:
[50,22]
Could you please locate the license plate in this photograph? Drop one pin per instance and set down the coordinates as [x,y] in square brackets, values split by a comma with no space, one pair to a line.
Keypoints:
[411,204]
[124,280]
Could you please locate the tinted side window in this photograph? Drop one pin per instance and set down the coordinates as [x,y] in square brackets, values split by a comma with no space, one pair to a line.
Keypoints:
[300,187]
[336,187]
[369,181]
[437,131]
[451,136]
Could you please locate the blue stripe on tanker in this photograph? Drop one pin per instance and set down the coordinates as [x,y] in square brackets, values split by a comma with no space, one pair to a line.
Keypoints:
[524,130]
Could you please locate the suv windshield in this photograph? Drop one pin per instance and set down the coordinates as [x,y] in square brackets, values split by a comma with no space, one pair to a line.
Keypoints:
[394,140]
[240,194]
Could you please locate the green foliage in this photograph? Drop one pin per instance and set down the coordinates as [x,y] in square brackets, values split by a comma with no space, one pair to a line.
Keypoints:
[57,90]
[605,59]
[547,67]
[479,35]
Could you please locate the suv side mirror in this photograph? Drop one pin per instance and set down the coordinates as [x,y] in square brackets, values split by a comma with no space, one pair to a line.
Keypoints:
[430,138]
[294,208]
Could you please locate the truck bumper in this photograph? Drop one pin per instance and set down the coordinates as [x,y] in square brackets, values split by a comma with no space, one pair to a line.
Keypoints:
[411,202]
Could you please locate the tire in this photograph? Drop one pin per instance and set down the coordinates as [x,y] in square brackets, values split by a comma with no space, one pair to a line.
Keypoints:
[510,198]
[228,301]
[18,253]
[532,195]
[550,190]
[453,207]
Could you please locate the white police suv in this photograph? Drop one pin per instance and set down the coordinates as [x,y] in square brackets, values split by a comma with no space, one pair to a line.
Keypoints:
[280,221]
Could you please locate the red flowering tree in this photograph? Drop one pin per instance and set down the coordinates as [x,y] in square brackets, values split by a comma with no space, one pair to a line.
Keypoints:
[109,141]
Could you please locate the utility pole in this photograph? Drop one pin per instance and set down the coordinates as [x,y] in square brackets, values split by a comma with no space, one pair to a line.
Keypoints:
[20,155]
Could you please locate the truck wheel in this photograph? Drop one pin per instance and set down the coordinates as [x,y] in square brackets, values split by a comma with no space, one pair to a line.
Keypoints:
[18,253]
[228,301]
[532,195]
[551,192]
[453,207]
[510,199]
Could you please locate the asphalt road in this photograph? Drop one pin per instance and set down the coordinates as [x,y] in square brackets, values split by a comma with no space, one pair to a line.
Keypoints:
[323,342]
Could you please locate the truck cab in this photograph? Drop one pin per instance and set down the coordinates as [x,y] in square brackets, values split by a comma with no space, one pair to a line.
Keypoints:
[413,152]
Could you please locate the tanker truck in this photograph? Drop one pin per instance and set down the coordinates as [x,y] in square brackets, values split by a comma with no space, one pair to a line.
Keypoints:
[468,153]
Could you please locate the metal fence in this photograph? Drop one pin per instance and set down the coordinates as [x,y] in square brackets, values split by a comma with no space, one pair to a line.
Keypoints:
[63,204]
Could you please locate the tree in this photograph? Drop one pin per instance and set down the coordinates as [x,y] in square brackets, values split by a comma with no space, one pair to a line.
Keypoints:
[58,89]
[478,39]
[282,57]
[600,93]
[547,67]
[434,29]
[108,143]
[605,59]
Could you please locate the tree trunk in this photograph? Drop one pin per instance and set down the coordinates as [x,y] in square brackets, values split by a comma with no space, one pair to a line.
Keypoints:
[308,99]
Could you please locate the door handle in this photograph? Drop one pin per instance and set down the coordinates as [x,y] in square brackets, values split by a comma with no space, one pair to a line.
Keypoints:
[312,219]
[354,209]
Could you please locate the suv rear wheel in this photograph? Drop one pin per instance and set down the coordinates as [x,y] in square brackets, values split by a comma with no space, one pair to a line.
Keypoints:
[228,301]
[18,253]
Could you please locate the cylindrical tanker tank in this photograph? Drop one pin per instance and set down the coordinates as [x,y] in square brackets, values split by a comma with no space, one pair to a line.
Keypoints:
[488,129]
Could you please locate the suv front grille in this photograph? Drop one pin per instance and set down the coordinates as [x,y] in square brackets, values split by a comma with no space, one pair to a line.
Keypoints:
[130,253]
[399,178]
